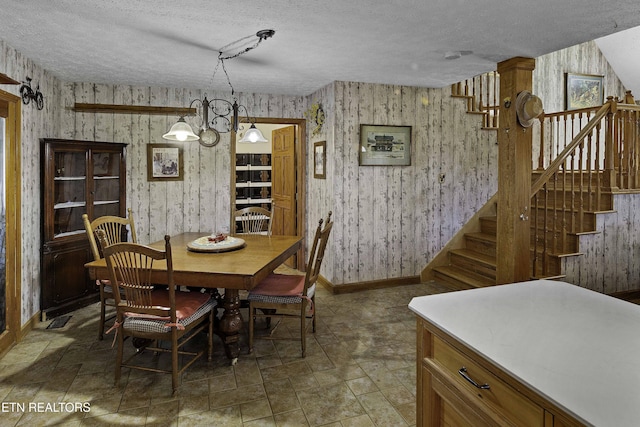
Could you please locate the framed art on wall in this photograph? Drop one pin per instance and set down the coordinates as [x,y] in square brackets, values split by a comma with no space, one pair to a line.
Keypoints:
[385,145]
[319,160]
[583,91]
[164,162]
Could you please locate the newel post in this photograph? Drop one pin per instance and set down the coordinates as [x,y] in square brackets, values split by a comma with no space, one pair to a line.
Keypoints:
[514,175]
[610,146]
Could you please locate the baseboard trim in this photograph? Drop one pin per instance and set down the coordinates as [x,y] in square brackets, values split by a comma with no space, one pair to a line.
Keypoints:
[633,294]
[29,325]
[364,286]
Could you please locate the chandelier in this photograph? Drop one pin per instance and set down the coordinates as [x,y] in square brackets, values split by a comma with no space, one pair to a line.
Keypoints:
[221,115]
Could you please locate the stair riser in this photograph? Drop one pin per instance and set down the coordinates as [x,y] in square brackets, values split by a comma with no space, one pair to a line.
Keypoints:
[569,218]
[553,266]
[573,180]
[571,243]
[564,200]
[471,265]
[457,284]
[489,225]
[484,247]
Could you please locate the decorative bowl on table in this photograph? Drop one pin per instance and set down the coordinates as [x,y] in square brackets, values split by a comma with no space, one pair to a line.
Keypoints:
[216,243]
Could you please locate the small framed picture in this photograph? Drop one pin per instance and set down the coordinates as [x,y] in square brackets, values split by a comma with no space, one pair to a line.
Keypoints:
[319,159]
[385,145]
[583,91]
[164,162]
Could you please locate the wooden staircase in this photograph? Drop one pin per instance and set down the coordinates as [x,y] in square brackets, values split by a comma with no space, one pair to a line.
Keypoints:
[474,265]
[566,199]
[481,96]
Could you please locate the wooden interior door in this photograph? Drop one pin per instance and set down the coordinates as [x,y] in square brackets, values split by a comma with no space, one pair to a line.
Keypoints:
[283,184]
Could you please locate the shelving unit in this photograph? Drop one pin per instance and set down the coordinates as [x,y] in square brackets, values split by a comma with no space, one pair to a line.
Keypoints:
[77,177]
[253,181]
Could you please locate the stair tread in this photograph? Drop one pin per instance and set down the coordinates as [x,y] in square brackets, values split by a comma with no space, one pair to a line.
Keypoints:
[470,278]
[482,236]
[487,260]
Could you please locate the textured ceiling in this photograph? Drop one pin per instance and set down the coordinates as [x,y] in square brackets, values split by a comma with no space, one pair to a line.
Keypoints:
[175,43]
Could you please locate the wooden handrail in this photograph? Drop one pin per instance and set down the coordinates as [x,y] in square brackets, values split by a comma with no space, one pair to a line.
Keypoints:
[481,93]
[582,156]
[562,157]
[604,156]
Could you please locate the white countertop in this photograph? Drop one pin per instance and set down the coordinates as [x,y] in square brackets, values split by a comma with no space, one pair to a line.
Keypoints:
[578,348]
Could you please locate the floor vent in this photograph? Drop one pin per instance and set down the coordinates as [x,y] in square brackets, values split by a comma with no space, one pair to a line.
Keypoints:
[58,322]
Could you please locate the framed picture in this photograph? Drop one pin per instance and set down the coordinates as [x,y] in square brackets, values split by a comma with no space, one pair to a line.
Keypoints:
[319,159]
[583,91]
[385,145]
[164,162]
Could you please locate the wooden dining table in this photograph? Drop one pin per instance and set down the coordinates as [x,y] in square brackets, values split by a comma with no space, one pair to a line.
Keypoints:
[233,271]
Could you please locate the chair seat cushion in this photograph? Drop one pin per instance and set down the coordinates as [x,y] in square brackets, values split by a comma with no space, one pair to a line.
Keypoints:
[105,285]
[281,288]
[190,307]
[187,303]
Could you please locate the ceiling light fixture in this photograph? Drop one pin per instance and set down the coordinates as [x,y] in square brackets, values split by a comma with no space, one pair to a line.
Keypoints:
[253,135]
[225,113]
[181,131]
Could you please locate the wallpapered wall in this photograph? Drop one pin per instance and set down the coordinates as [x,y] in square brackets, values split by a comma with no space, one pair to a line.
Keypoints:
[35,124]
[199,203]
[392,220]
[389,220]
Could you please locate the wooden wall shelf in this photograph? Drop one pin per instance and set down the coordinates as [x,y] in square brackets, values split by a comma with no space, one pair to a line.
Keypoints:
[132,109]
[6,80]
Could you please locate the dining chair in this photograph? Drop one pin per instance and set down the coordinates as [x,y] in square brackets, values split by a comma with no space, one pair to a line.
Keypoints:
[155,314]
[285,296]
[115,230]
[254,220]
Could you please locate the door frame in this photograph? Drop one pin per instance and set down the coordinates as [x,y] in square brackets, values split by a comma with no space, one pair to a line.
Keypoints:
[10,110]
[300,156]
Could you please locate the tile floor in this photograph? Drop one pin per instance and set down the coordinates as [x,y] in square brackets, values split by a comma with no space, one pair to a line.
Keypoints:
[359,371]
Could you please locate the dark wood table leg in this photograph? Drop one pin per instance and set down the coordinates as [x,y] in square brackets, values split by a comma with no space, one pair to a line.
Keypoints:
[231,324]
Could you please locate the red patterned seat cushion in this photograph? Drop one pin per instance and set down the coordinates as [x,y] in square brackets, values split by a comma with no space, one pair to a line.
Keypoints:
[280,285]
[187,303]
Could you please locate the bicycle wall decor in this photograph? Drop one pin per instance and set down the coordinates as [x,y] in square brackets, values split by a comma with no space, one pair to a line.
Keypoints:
[28,94]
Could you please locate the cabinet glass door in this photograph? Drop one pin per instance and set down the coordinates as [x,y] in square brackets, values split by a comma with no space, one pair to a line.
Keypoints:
[106,182]
[70,199]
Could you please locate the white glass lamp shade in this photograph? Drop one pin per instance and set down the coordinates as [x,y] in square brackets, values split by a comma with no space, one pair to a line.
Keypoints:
[252,135]
[181,131]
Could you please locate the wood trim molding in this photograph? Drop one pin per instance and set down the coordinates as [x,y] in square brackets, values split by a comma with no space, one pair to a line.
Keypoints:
[132,109]
[12,114]
[301,153]
[6,80]
[365,286]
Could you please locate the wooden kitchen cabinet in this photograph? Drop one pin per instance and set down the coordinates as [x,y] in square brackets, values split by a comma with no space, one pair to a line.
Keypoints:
[486,397]
[77,177]
[513,355]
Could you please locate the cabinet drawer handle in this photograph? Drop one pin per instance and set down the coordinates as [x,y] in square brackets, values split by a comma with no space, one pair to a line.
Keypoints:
[463,371]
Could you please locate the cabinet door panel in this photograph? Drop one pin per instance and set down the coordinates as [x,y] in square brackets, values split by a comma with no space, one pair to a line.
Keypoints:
[66,281]
[456,406]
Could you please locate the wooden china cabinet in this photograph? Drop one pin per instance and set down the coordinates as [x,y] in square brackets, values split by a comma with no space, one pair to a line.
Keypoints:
[77,177]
